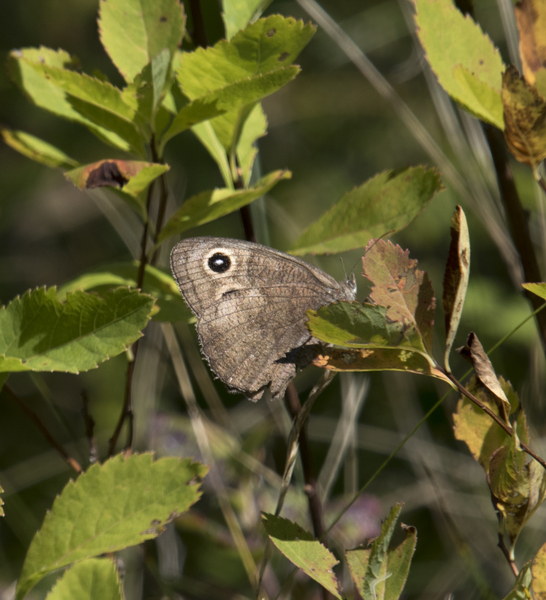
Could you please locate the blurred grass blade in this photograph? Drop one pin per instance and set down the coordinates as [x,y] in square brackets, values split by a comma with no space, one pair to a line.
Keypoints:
[384,204]
[39,333]
[90,579]
[456,279]
[111,506]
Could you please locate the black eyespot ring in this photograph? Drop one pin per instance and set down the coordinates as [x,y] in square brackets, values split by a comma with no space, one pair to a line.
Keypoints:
[219,262]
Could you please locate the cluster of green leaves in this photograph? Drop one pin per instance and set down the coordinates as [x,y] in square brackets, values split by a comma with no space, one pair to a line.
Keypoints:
[469,67]
[215,93]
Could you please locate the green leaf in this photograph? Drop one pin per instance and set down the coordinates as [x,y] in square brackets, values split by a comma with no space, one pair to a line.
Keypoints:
[111,506]
[479,432]
[237,14]
[456,279]
[134,32]
[26,69]
[384,204]
[229,98]
[146,92]
[213,204]
[36,149]
[100,102]
[388,581]
[538,569]
[267,46]
[89,580]
[464,59]
[522,586]
[157,283]
[207,136]
[254,128]
[303,550]
[539,289]
[39,333]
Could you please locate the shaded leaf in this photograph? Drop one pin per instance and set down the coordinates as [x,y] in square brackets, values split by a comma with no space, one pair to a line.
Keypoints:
[464,59]
[479,432]
[39,333]
[109,507]
[303,550]
[134,32]
[456,279]
[89,580]
[26,70]
[385,203]
[36,149]
[213,204]
[255,127]
[207,136]
[531,21]
[157,283]
[525,119]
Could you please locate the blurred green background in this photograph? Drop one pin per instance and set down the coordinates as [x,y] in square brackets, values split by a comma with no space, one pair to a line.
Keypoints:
[333,130]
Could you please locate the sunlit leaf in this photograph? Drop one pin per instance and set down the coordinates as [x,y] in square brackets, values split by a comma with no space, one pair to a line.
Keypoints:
[157,283]
[135,32]
[36,149]
[39,333]
[479,432]
[111,506]
[468,66]
[303,550]
[25,67]
[89,580]
[237,14]
[213,204]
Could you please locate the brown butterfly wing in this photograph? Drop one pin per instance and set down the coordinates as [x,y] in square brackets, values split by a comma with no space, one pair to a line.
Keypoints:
[251,303]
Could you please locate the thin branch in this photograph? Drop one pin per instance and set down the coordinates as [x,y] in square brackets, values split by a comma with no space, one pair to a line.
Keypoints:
[495,417]
[90,430]
[72,462]
[518,220]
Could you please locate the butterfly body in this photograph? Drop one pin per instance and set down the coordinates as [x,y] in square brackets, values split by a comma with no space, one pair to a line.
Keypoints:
[250,302]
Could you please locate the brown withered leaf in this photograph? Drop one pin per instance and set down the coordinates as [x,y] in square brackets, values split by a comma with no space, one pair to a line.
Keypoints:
[106,174]
[531,22]
[455,278]
[524,118]
[486,374]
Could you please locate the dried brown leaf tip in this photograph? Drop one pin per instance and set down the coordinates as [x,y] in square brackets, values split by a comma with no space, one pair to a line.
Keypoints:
[474,352]
[524,118]
[531,21]
[106,174]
